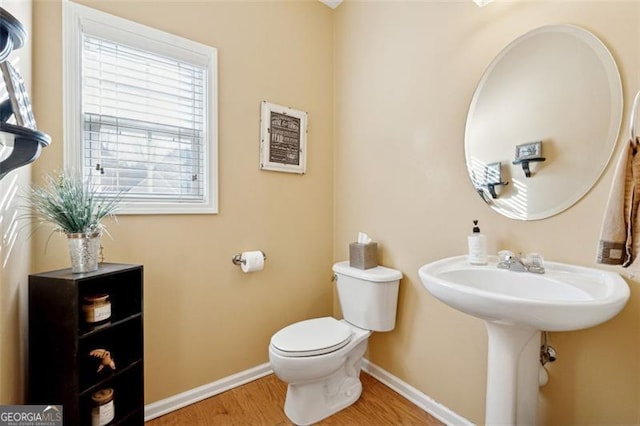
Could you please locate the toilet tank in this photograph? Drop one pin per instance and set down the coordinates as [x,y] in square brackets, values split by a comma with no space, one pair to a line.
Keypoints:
[368,297]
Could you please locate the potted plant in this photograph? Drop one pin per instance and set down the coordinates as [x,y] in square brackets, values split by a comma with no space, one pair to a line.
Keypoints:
[75,207]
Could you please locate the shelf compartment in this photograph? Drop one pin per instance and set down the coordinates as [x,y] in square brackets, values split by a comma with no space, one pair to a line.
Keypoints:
[127,399]
[123,341]
[125,296]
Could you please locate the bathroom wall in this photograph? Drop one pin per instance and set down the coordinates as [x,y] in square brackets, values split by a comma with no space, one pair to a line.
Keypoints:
[204,318]
[14,246]
[405,73]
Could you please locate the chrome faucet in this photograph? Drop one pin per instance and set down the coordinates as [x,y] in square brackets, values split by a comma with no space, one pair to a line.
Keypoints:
[510,261]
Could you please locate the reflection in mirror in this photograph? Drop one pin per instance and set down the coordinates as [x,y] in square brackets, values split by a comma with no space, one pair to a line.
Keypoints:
[528,153]
[493,179]
[555,88]
[6,146]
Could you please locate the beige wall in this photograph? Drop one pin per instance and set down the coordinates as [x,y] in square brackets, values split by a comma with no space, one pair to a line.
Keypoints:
[14,245]
[405,73]
[204,318]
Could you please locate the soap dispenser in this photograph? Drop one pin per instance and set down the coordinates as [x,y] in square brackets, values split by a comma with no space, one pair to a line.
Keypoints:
[477,246]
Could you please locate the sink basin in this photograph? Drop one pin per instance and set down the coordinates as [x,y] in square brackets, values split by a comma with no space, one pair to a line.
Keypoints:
[516,306]
[566,297]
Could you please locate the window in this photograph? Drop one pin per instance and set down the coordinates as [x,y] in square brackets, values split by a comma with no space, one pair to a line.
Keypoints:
[140,113]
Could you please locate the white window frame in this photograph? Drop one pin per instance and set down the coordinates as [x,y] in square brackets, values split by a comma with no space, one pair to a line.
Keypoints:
[75,18]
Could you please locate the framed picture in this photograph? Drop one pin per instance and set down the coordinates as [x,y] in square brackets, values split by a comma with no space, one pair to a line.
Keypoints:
[493,173]
[18,96]
[529,150]
[283,139]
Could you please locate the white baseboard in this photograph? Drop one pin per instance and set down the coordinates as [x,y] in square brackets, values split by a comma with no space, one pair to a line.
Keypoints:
[422,400]
[167,405]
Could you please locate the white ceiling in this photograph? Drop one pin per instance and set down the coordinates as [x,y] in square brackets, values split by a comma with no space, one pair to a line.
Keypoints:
[332,3]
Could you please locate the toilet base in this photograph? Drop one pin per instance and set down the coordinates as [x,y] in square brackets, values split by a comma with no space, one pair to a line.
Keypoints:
[309,403]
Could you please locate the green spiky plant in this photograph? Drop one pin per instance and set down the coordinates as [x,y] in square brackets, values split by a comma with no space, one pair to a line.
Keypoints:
[71,204]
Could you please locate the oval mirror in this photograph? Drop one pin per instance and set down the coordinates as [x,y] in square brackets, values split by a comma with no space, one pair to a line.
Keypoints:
[543,122]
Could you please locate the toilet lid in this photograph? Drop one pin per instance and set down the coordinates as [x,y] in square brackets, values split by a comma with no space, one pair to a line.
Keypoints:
[312,337]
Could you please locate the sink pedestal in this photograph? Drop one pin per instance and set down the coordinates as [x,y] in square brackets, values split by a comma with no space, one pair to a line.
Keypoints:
[512,374]
[564,298]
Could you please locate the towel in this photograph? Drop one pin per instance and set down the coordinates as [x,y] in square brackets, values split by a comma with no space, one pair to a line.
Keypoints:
[616,237]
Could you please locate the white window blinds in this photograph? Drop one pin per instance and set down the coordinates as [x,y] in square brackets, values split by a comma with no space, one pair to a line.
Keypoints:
[145,113]
[144,122]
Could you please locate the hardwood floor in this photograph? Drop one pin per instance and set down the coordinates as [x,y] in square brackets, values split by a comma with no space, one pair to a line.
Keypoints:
[260,403]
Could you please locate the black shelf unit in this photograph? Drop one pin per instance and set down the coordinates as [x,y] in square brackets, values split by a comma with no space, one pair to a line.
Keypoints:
[61,371]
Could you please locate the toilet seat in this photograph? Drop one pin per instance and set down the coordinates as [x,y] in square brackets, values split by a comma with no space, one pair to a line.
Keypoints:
[312,337]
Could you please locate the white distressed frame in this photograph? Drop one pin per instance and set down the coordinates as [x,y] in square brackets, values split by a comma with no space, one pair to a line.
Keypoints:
[266,160]
[529,150]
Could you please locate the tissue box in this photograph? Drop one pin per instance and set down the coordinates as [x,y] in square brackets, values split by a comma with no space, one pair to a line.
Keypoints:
[363,256]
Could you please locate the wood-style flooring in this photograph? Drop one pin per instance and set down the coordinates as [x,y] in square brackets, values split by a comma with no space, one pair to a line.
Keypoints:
[261,402]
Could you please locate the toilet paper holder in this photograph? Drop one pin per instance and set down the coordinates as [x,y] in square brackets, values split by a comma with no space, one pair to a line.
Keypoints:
[238,260]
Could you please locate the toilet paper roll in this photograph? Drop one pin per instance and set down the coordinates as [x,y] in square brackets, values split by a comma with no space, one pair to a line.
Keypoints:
[252,261]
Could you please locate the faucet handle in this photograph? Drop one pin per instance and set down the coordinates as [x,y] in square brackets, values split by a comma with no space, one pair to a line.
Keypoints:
[505,255]
[535,260]
[535,263]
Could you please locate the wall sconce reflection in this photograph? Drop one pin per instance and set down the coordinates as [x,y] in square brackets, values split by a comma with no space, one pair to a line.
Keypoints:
[528,153]
[493,178]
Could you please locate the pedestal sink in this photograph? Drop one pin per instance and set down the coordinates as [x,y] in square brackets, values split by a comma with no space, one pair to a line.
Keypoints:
[516,307]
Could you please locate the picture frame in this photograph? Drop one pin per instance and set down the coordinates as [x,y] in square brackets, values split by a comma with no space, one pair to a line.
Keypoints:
[283,139]
[493,173]
[18,96]
[529,150]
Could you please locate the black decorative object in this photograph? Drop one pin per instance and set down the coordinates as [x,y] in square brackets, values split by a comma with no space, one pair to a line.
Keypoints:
[23,138]
[12,34]
[27,145]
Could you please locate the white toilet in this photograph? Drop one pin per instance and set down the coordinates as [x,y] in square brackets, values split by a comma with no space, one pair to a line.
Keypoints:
[320,358]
